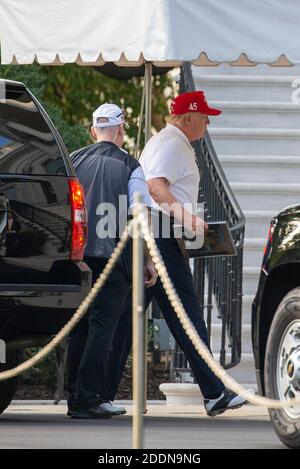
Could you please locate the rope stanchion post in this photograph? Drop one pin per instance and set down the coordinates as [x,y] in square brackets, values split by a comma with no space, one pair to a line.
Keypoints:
[146,317]
[138,328]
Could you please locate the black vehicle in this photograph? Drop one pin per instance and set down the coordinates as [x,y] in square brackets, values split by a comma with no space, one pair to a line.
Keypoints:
[43,229]
[276,323]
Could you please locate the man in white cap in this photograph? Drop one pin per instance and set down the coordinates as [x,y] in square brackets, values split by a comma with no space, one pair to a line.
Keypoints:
[110,177]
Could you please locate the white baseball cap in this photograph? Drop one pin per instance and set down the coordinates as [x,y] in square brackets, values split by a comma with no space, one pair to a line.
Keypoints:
[112,112]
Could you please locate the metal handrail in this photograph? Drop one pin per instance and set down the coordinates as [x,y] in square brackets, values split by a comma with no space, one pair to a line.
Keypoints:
[217,280]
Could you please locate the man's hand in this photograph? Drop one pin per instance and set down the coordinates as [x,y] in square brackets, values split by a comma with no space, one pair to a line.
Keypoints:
[150,273]
[199,225]
[195,224]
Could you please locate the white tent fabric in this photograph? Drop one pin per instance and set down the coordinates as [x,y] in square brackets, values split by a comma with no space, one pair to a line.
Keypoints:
[165,32]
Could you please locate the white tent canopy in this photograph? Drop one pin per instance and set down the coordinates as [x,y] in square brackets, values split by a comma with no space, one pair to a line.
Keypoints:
[165,32]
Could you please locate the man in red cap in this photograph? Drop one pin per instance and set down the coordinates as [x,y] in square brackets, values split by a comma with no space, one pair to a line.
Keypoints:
[169,165]
[169,161]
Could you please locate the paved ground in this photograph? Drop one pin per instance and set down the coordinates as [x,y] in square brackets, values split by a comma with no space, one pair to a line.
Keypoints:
[43,425]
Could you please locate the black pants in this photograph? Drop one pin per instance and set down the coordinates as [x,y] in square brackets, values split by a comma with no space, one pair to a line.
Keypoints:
[181,276]
[90,343]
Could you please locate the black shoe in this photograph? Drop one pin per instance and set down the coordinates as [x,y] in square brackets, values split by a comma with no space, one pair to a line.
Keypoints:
[226,401]
[92,413]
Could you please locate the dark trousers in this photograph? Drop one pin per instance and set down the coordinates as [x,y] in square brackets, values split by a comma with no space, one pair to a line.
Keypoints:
[90,343]
[181,276]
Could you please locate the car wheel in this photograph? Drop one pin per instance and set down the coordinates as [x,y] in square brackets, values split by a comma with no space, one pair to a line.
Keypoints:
[282,367]
[8,387]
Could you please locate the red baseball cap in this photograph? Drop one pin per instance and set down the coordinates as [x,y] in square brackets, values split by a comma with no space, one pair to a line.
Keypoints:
[192,102]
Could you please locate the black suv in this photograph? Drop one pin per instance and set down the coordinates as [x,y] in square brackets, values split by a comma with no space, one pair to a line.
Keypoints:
[43,229]
[276,322]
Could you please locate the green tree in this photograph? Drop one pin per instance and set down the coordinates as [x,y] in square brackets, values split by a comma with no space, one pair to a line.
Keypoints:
[35,78]
[71,93]
[80,90]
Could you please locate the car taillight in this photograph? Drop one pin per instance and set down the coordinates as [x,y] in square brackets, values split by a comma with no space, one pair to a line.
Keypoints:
[269,241]
[268,246]
[79,220]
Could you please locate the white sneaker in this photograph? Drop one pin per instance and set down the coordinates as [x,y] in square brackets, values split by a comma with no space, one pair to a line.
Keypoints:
[112,409]
[226,401]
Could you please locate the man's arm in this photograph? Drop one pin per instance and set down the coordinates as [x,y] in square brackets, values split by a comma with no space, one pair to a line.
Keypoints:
[160,192]
[138,183]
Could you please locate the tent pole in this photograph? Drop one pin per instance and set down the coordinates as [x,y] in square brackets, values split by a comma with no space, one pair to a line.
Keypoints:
[148,107]
[148,115]
[141,115]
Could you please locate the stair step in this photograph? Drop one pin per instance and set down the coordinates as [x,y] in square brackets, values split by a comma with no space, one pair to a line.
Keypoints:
[253,243]
[247,308]
[251,84]
[250,280]
[246,338]
[258,222]
[253,251]
[248,299]
[259,69]
[254,132]
[244,372]
[255,140]
[249,106]
[278,160]
[278,115]
[246,311]
[258,168]
[245,79]
[270,196]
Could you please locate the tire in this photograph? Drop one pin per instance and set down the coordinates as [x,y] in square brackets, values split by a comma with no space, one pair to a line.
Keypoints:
[9,387]
[282,367]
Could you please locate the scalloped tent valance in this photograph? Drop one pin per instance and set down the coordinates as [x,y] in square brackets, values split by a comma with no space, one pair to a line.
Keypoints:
[165,32]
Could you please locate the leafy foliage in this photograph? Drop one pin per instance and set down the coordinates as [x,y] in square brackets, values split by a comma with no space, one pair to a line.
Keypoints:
[71,93]
[78,91]
[35,78]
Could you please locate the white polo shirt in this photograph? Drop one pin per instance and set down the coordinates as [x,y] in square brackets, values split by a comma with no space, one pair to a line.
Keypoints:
[170,155]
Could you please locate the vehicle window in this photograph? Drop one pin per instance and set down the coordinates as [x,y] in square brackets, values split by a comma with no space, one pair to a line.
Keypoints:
[27,145]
